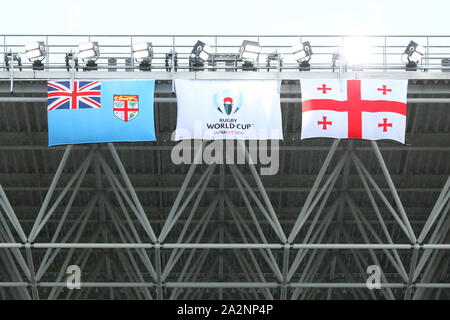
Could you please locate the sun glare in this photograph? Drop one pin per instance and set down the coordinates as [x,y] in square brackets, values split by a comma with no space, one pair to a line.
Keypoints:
[357,51]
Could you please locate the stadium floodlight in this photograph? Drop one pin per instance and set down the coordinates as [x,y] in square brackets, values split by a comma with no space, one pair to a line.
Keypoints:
[35,52]
[89,51]
[199,55]
[143,53]
[202,51]
[414,53]
[302,52]
[249,53]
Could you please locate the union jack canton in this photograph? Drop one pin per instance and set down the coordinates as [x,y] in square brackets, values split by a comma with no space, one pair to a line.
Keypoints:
[81,95]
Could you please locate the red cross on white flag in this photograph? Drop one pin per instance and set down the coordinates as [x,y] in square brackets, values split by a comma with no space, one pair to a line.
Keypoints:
[354,109]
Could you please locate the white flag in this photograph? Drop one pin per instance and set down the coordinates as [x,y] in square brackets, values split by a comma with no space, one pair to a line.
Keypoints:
[354,109]
[236,110]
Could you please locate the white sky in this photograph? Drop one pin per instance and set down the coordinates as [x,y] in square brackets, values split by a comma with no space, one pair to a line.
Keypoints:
[238,17]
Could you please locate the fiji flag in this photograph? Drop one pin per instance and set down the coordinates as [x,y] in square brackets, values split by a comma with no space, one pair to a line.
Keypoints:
[100,111]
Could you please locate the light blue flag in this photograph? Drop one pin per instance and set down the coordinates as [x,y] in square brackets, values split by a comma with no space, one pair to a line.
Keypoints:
[100,111]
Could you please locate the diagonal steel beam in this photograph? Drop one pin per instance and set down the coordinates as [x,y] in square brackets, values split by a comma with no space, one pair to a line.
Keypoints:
[51,189]
[125,237]
[247,268]
[244,185]
[78,177]
[317,237]
[131,190]
[356,214]
[397,265]
[443,198]
[263,192]
[15,275]
[80,223]
[358,163]
[251,254]
[201,184]
[409,289]
[115,184]
[268,255]
[7,236]
[313,191]
[180,195]
[394,193]
[34,289]
[384,228]
[9,211]
[306,211]
[197,232]
[438,236]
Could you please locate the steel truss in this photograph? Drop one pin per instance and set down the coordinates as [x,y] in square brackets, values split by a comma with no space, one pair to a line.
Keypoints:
[237,243]
[225,254]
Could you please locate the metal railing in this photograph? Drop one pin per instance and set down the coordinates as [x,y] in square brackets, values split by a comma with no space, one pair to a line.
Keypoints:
[376,53]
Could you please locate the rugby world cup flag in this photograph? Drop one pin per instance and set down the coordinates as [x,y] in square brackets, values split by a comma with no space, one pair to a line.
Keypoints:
[354,109]
[100,111]
[232,110]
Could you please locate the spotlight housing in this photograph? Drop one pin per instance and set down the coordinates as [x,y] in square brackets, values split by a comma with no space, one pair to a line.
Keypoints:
[199,55]
[249,54]
[202,51]
[143,53]
[35,52]
[414,53]
[249,51]
[89,52]
[302,52]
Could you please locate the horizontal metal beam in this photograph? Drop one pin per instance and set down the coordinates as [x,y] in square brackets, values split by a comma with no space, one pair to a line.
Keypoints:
[233,189]
[291,139]
[174,180]
[253,246]
[165,87]
[284,75]
[230,285]
[168,146]
[291,211]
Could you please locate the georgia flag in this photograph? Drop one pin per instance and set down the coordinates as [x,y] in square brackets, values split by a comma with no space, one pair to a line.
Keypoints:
[354,109]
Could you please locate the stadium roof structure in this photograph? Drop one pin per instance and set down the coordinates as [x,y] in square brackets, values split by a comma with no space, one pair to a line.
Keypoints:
[141,227]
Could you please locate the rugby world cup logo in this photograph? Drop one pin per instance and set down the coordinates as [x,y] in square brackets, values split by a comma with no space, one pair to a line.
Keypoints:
[229,101]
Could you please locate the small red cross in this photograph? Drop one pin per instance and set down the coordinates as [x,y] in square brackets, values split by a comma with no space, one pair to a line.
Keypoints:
[324,89]
[384,89]
[324,123]
[385,125]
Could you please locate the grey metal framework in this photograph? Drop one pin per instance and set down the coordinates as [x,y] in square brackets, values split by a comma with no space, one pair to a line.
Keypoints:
[141,227]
